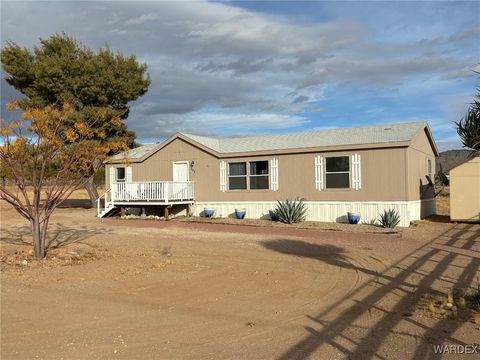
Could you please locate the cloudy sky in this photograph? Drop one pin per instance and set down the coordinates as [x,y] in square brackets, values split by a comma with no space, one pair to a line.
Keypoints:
[231,68]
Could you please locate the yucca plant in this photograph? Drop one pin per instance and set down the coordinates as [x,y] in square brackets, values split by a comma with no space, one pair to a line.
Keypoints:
[291,211]
[390,218]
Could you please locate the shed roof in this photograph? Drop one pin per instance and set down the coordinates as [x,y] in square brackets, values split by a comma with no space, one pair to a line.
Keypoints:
[473,158]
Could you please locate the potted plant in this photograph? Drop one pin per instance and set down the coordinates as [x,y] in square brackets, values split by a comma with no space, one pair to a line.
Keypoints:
[240,213]
[353,217]
[273,215]
[208,212]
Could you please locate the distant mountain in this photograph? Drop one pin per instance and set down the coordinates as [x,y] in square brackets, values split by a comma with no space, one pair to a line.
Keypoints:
[451,158]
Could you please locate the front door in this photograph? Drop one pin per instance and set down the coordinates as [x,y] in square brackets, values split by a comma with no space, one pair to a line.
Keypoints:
[180,178]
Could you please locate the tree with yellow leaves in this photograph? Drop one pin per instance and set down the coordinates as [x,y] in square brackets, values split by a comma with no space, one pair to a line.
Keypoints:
[49,153]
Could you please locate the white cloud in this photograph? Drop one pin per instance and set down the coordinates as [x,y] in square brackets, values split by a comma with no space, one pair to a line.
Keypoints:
[141,19]
[209,123]
[215,66]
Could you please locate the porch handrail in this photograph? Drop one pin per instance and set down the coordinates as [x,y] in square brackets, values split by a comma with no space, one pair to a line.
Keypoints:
[164,191]
[106,202]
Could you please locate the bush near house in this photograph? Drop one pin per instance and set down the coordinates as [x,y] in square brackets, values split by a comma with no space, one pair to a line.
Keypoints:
[291,211]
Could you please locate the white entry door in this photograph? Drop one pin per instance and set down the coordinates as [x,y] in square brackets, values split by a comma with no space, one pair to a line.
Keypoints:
[180,171]
[180,178]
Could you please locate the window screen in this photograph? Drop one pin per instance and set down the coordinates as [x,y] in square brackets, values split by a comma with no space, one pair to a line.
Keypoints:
[259,175]
[120,175]
[237,176]
[337,172]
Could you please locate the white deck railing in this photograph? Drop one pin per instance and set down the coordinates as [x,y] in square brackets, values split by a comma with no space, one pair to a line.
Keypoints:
[163,191]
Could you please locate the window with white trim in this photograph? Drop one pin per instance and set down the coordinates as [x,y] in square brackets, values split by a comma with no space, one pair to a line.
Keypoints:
[248,175]
[259,175]
[120,174]
[237,176]
[337,172]
[429,169]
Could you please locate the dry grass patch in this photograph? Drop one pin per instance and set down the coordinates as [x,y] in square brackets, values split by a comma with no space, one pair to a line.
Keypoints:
[458,304]
[23,259]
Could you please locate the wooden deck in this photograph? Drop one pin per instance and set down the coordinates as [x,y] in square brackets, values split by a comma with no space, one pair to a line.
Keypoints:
[145,193]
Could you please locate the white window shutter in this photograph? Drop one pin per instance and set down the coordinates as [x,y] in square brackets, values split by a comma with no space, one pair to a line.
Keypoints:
[319,183]
[223,176]
[128,174]
[356,172]
[112,175]
[274,174]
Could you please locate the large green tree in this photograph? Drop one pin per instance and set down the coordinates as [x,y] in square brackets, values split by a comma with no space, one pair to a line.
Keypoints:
[61,70]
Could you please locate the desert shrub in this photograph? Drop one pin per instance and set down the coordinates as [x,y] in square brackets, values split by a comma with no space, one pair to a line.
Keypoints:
[473,298]
[291,211]
[389,218]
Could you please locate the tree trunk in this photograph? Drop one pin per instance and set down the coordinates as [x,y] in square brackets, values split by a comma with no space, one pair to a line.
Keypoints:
[91,190]
[38,238]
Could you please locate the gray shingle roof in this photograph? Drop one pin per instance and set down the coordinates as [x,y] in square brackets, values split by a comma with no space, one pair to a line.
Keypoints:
[320,138]
[136,153]
[334,137]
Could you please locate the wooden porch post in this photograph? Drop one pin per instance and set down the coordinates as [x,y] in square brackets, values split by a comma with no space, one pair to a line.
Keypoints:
[165,213]
[122,211]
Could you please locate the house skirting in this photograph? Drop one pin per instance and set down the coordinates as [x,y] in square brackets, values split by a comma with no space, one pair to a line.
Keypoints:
[329,211]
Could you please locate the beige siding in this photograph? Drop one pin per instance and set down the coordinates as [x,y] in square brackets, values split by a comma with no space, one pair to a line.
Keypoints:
[465,191]
[383,175]
[419,152]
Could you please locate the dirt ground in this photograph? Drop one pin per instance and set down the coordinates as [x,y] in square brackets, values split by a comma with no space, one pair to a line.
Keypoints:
[140,289]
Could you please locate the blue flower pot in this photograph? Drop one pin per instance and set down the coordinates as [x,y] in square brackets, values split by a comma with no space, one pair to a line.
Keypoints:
[273,215]
[353,218]
[208,212]
[240,213]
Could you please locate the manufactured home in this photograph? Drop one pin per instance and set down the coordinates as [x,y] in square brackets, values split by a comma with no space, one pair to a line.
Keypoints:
[365,170]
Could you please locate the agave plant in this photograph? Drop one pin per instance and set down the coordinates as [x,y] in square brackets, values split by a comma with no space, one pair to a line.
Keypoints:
[389,218]
[291,211]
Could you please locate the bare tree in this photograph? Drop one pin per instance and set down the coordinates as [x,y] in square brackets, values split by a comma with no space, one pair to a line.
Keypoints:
[49,153]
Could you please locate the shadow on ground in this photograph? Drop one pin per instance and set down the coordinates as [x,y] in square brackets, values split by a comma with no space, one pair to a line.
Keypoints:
[58,235]
[439,218]
[451,260]
[76,203]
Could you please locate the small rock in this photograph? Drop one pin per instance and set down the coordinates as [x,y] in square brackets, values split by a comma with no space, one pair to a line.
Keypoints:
[448,306]
[450,298]
[24,262]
